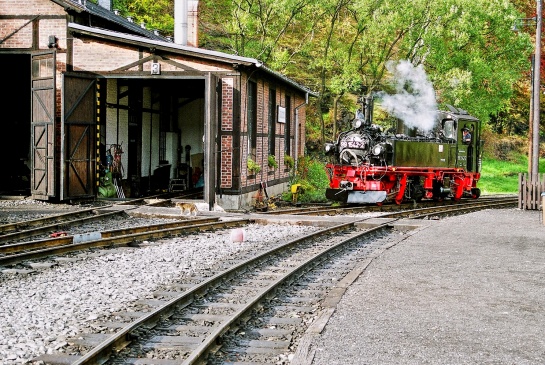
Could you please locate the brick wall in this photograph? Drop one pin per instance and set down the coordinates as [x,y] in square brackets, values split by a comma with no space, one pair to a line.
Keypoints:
[22,38]
[261,157]
[227,140]
[18,7]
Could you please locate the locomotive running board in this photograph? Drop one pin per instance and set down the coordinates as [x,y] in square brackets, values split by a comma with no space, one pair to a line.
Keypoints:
[358,197]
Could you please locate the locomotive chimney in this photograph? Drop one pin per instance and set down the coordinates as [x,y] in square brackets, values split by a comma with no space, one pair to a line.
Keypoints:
[369,110]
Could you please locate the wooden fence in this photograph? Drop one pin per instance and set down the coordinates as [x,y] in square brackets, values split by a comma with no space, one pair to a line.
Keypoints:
[530,192]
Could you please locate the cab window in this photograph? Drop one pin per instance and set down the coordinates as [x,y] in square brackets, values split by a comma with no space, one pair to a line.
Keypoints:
[449,128]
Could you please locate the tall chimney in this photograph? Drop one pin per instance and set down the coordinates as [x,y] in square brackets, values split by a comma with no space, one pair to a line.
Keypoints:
[180,22]
[193,23]
[106,4]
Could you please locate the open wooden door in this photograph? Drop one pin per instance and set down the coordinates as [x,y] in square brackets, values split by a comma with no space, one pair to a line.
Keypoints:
[42,180]
[78,147]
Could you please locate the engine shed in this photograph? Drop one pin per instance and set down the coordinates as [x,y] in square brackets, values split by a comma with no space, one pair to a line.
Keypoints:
[95,97]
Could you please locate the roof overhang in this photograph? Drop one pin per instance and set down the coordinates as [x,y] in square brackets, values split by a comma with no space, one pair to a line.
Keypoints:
[182,50]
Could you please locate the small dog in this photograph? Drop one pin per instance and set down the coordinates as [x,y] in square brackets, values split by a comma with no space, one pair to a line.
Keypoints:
[187,208]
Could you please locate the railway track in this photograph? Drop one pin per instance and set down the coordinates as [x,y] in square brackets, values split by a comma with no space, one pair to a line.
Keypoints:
[24,251]
[14,249]
[255,311]
[36,239]
[30,228]
[355,209]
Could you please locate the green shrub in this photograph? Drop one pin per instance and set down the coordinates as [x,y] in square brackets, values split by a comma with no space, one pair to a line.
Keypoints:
[271,161]
[289,161]
[253,167]
[312,176]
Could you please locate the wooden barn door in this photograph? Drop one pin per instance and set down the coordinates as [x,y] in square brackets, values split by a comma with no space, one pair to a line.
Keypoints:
[78,147]
[42,180]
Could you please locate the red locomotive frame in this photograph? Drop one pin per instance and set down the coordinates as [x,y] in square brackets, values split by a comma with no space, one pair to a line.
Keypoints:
[393,182]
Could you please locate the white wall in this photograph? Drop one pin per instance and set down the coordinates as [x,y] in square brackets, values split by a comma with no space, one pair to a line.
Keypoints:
[191,125]
[117,131]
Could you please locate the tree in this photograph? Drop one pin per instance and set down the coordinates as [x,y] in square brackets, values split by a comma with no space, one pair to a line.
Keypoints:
[336,47]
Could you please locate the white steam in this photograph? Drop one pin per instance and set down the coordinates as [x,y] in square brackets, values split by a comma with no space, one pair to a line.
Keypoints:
[414,102]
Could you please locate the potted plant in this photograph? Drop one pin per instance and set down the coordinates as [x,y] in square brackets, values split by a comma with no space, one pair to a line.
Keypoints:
[289,162]
[271,161]
[253,167]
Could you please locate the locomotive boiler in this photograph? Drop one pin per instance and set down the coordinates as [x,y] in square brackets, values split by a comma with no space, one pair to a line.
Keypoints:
[368,165]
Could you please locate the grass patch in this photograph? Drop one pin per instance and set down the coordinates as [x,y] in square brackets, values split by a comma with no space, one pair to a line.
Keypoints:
[501,177]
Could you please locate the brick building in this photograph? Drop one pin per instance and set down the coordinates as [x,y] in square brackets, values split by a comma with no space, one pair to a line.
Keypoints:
[92,92]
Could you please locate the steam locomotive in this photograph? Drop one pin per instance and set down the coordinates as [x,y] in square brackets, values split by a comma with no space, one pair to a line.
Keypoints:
[369,166]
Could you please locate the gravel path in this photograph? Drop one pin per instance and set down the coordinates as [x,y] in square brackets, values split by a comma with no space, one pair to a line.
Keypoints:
[467,290]
[39,311]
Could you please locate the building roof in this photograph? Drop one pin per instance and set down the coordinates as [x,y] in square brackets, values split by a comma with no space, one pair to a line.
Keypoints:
[109,16]
[166,45]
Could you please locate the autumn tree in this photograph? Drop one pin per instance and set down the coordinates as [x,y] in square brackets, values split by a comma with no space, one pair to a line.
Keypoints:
[338,47]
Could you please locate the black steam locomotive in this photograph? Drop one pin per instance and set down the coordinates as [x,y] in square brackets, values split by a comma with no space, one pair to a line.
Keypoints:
[371,166]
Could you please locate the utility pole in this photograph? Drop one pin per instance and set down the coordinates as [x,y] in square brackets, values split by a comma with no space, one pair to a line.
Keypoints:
[534,172]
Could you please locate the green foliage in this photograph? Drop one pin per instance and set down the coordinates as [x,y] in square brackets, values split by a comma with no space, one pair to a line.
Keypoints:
[312,176]
[289,161]
[271,161]
[253,167]
[476,59]
[501,177]
[504,159]
[502,147]
[156,14]
[335,47]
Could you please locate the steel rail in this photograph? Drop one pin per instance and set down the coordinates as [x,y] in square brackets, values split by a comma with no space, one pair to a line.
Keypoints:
[461,210]
[427,212]
[56,226]
[198,356]
[101,352]
[359,209]
[10,227]
[69,239]
[121,240]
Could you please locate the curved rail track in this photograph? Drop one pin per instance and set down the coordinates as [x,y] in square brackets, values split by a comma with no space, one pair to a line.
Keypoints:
[355,209]
[256,310]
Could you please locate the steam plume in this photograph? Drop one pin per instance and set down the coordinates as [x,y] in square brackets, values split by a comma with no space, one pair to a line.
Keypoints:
[414,102]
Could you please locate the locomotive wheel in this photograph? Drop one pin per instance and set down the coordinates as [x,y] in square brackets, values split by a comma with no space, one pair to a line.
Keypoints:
[418,192]
[475,193]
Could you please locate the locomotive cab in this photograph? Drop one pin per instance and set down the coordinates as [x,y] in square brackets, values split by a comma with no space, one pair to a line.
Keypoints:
[465,129]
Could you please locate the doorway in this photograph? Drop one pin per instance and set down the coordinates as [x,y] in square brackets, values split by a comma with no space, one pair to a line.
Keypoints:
[15,137]
[160,126]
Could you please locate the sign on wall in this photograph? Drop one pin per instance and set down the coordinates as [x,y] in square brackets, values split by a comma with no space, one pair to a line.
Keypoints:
[281,114]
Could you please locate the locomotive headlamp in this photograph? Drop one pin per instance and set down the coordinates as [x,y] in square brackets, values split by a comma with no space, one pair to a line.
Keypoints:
[378,149]
[357,123]
[329,148]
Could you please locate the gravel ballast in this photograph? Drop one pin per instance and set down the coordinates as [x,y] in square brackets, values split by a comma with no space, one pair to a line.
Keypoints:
[468,289]
[41,310]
